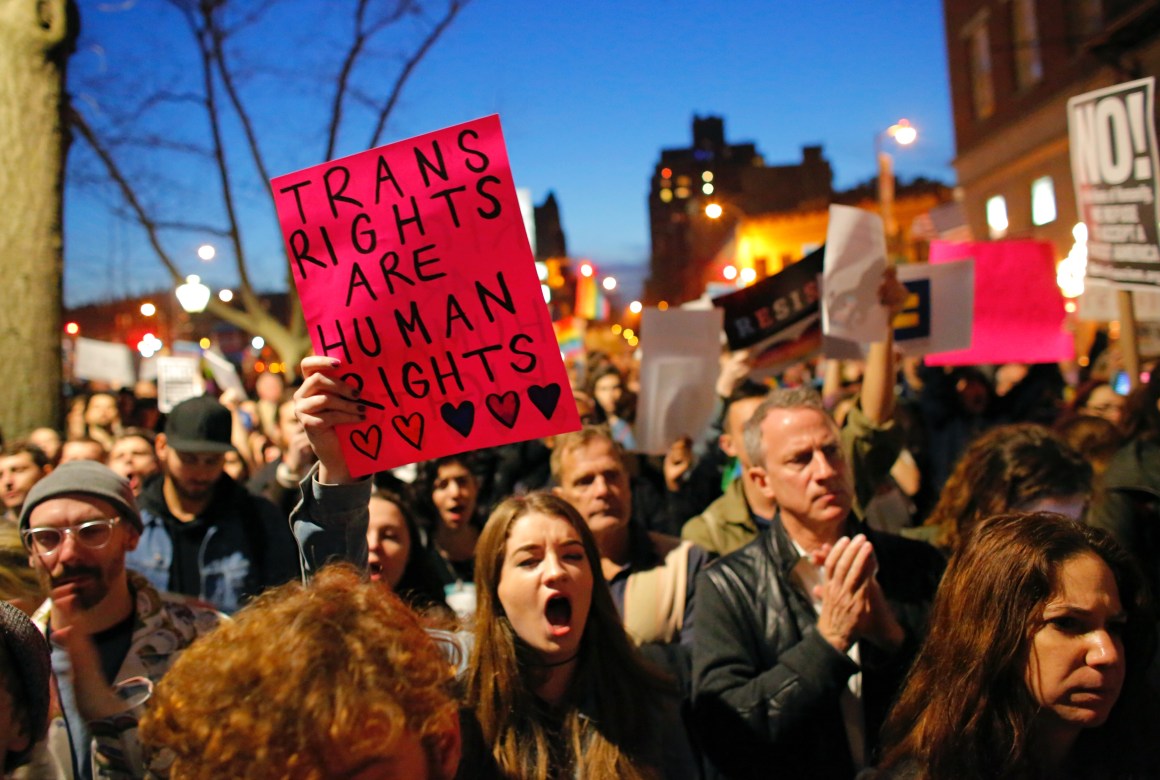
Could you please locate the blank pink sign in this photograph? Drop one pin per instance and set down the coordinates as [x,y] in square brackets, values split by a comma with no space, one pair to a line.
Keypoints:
[415,271]
[1019,314]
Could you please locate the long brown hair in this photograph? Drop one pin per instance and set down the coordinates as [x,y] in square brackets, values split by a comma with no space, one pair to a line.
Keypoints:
[612,736]
[966,710]
[1002,469]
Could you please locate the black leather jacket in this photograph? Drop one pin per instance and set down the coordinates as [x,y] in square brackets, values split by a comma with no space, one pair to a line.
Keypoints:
[766,684]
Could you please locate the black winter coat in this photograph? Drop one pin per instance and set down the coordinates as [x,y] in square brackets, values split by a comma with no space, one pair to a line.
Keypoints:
[766,685]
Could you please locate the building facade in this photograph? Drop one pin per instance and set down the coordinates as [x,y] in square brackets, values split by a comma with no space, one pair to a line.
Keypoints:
[1013,65]
[684,239]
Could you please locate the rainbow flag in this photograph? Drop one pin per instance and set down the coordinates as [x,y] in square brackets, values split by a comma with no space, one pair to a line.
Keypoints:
[570,333]
[590,301]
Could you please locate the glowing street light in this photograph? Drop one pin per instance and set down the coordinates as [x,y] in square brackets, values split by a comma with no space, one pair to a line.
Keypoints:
[226,296]
[714,211]
[257,342]
[586,269]
[636,307]
[609,283]
[148,310]
[149,345]
[748,276]
[72,329]
[729,272]
[903,134]
[193,295]
[206,252]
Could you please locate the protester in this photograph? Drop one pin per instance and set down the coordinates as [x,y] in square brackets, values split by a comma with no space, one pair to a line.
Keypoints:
[335,679]
[22,465]
[1099,399]
[49,441]
[734,519]
[1034,664]
[606,386]
[652,576]
[1011,468]
[395,556]
[25,674]
[107,625]
[102,419]
[203,534]
[804,635]
[134,457]
[448,494]
[1130,500]
[19,583]
[554,681]
[83,448]
[278,479]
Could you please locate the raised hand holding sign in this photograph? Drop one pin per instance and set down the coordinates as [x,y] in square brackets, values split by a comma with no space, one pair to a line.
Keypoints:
[415,271]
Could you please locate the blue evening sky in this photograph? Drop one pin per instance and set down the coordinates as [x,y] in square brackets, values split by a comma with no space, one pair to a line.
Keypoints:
[588,93]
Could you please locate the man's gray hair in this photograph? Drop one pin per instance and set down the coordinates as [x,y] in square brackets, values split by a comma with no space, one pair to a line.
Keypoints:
[782,398]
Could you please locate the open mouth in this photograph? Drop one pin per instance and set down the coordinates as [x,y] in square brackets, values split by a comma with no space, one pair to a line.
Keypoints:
[374,571]
[558,612]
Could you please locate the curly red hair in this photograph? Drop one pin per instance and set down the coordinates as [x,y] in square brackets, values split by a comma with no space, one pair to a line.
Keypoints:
[302,678]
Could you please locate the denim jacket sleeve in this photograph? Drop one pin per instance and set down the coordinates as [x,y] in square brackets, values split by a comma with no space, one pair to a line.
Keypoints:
[330,523]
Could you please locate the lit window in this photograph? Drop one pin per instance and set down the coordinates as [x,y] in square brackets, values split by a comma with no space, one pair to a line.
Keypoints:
[666,195]
[684,181]
[997,216]
[1028,65]
[666,173]
[1042,201]
[682,192]
[707,188]
[707,176]
[978,42]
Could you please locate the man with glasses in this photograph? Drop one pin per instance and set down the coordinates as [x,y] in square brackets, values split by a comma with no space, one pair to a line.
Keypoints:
[111,630]
[203,534]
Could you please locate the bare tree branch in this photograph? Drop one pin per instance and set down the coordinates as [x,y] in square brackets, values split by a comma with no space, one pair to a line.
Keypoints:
[82,127]
[358,45]
[453,9]
[207,42]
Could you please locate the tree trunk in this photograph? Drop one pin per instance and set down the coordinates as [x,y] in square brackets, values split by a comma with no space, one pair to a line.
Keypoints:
[36,40]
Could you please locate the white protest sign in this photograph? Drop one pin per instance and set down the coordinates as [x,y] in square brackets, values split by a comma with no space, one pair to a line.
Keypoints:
[852,272]
[937,316]
[1113,163]
[225,375]
[680,349]
[104,361]
[1099,303]
[178,378]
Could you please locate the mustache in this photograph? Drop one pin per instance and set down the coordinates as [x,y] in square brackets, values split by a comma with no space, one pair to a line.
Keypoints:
[72,572]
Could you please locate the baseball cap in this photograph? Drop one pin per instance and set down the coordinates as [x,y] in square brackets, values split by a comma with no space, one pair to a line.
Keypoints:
[87,478]
[199,424]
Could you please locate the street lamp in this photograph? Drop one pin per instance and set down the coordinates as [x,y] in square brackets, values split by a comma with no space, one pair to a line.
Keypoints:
[193,295]
[903,134]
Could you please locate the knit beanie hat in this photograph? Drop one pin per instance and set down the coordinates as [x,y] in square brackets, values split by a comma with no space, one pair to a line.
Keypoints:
[27,667]
[88,478]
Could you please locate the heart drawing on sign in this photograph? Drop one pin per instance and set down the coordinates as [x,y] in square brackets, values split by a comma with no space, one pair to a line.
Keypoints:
[545,398]
[461,417]
[367,443]
[504,407]
[410,428]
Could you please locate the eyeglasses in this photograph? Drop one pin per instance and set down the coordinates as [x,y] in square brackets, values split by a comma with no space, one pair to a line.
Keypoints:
[93,534]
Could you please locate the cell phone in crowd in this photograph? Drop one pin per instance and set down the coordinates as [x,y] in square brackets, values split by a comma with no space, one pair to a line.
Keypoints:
[1121,384]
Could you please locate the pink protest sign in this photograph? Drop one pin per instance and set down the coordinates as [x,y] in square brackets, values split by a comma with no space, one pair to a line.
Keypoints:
[1019,314]
[414,270]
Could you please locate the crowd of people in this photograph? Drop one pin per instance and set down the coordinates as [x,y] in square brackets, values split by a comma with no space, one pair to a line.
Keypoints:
[874,570]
